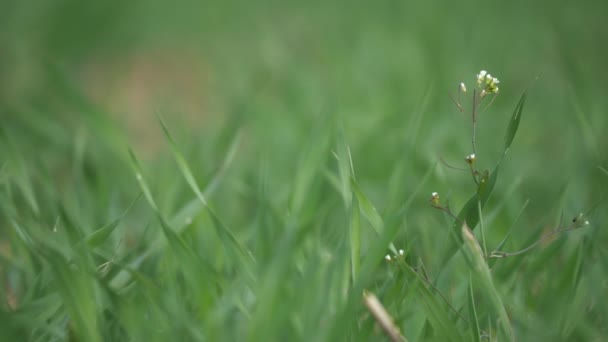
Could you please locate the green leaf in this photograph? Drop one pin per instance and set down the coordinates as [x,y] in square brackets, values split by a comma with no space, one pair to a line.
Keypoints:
[182,164]
[367,208]
[369,212]
[470,213]
[514,123]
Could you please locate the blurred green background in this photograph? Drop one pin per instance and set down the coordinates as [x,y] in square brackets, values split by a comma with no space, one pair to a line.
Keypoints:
[82,81]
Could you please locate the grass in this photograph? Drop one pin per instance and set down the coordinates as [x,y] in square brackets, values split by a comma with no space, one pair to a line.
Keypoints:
[312,140]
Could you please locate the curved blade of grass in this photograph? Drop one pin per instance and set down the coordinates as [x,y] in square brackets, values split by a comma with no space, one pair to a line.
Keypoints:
[99,236]
[239,251]
[182,164]
[367,208]
[481,272]
[140,180]
[193,208]
[369,212]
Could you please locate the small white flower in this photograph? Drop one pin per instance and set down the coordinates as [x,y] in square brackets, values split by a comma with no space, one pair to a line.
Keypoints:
[435,199]
[470,159]
[387,257]
[487,83]
[401,252]
[463,87]
[481,76]
[586,223]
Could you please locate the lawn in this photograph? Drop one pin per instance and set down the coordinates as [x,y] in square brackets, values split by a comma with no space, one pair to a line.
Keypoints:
[315,171]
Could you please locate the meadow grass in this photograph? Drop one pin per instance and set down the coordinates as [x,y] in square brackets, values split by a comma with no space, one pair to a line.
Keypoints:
[295,202]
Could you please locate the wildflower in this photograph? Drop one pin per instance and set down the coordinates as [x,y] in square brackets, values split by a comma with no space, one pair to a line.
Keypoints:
[463,87]
[401,252]
[578,221]
[487,83]
[387,257]
[435,199]
[470,159]
[481,77]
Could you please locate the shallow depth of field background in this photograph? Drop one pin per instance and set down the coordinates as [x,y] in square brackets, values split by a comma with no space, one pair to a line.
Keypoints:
[82,82]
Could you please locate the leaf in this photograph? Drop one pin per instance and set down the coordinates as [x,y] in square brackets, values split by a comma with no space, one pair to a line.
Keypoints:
[470,214]
[367,208]
[370,212]
[514,122]
[181,162]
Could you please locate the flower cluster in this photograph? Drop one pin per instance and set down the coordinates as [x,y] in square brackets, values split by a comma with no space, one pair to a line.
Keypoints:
[389,258]
[435,199]
[487,83]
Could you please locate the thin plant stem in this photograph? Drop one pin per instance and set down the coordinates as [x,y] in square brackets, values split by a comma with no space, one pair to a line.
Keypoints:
[474,174]
[450,166]
[474,117]
[483,236]
[499,254]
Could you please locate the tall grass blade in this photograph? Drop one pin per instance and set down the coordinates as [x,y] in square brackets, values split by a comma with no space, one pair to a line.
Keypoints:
[483,276]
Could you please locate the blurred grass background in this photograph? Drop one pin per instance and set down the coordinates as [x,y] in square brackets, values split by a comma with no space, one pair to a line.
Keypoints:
[283,84]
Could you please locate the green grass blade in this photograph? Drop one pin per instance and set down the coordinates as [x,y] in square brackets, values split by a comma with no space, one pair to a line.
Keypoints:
[344,168]
[182,164]
[369,212]
[238,250]
[99,236]
[482,274]
[473,320]
[367,208]
[355,239]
